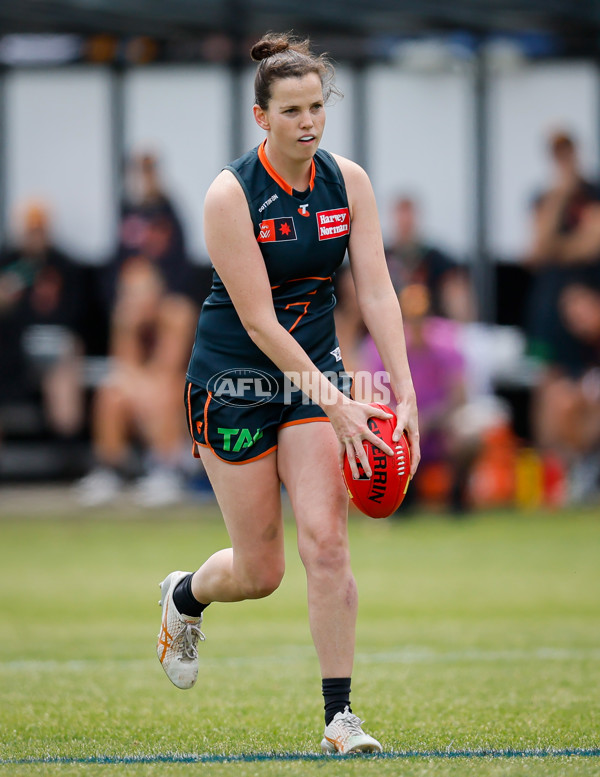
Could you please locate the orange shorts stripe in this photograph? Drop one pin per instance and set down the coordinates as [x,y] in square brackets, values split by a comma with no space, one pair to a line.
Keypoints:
[237,463]
[304,421]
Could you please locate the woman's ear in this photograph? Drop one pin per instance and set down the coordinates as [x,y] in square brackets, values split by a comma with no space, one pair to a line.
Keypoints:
[260,116]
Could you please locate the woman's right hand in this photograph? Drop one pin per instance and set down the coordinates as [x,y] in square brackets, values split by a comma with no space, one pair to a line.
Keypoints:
[349,420]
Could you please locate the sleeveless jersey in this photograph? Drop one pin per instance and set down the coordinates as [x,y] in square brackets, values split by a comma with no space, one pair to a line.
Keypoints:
[303,239]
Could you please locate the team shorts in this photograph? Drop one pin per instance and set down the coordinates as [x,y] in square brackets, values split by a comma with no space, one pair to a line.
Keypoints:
[245,431]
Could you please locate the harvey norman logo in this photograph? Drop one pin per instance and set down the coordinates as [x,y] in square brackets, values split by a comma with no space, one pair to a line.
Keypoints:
[333,223]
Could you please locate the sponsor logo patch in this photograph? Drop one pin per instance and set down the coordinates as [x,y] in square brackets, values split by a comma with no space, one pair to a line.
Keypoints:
[303,210]
[333,223]
[275,230]
[243,438]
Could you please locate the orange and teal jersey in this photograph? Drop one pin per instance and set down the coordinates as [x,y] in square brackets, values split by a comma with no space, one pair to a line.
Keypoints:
[303,237]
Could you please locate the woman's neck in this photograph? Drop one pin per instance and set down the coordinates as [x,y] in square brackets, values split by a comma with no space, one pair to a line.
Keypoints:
[295,173]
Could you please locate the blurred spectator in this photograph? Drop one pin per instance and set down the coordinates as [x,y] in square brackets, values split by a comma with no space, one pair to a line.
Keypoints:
[438,374]
[140,399]
[580,309]
[151,294]
[458,413]
[150,226]
[412,260]
[564,248]
[569,409]
[42,309]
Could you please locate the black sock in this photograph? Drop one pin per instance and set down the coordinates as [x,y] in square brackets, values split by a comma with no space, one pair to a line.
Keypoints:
[336,692]
[184,599]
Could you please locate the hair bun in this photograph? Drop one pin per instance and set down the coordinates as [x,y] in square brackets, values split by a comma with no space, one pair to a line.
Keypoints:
[268,46]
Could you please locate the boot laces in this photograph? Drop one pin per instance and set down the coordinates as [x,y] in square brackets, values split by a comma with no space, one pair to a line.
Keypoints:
[352,723]
[191,636]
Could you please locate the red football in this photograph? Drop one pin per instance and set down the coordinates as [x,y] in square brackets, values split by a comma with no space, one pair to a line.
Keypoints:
[382,493]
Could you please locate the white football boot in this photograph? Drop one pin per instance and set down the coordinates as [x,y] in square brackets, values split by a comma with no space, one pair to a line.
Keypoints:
[344,735]
[177,646]
[100,487]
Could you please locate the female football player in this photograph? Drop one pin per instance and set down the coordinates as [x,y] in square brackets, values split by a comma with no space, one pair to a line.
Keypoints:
[265,398]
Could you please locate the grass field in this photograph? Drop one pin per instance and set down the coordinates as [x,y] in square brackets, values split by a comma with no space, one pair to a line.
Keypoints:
[478,650]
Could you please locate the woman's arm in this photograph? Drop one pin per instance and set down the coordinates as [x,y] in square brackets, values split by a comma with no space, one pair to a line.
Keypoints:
[377,299]
[582,245]
[545,224]
[236,256]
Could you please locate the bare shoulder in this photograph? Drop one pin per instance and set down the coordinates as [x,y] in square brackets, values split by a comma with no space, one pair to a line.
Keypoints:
[227,219]
[224,193]
[352,172]
[358,184]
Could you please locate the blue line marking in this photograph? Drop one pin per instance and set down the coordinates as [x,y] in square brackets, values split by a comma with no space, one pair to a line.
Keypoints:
[576,752]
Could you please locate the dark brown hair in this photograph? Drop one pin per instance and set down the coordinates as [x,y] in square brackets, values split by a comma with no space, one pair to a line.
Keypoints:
[561,141]
[280,55]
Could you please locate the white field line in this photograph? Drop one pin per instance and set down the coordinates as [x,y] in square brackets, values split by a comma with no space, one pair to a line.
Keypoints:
[412,655]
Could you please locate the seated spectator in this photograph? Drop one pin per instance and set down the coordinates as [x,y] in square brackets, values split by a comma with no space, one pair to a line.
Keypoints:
[564,252]
[150,226]
[437,370]
[140,399]
[457,410]
[412,260]
[564,248]
[42,309]
[569,411]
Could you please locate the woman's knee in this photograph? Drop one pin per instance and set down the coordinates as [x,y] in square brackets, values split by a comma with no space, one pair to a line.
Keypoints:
[325,551]
[261,579]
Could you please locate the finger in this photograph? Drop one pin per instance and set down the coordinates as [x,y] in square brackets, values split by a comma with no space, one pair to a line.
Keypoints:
[361,454]
[378,443]
[401,428]
[377,412]
[415,451]
[404,422]
[351,456]
[341,452]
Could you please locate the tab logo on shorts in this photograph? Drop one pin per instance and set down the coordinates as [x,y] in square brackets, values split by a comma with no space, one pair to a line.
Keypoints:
[333,223]
[274,230]
[243,438]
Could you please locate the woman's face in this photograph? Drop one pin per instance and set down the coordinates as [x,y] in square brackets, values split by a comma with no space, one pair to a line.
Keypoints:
[295,117]
[580,308]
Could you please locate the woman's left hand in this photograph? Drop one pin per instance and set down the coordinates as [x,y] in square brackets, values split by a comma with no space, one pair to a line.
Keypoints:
[408,421]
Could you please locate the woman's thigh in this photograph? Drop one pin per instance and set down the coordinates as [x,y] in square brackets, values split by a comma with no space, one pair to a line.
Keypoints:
[308,466]
[249,496]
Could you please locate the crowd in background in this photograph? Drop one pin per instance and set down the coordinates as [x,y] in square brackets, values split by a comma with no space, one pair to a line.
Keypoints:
[137,312]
